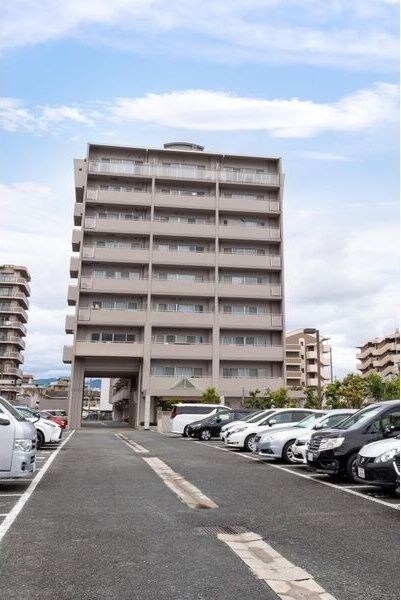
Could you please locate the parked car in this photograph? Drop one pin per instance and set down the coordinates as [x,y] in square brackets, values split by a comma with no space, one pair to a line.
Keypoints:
[336,450]
[273,443]
[183,414]
[252,419]
[374,464]
[46,431]
[243,435]
[211,426]
[57,420]
[17,443]
[396,465]
[58,412]
[329,421]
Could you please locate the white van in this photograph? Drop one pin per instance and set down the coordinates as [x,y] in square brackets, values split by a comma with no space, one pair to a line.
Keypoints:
[17,443]
[184,414]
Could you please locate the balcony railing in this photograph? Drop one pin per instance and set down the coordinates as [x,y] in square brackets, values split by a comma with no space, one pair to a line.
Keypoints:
[12,339]
[184,172]
[13,325]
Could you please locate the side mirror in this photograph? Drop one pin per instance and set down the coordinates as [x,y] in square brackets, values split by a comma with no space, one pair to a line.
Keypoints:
[37,419]
[389,430]
[4,421]
[218,420]
[272,422]
[318,426]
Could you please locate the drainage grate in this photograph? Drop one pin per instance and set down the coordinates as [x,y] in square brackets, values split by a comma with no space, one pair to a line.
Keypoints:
[215,530]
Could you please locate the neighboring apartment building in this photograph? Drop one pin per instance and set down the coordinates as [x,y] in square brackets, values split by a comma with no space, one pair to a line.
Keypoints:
[179,274]
[380,355]
[308,358]
[14,303]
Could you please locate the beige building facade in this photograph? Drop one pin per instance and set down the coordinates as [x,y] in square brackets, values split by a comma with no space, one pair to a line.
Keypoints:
[14,304]
[380,355]
[179,274]
[308,360]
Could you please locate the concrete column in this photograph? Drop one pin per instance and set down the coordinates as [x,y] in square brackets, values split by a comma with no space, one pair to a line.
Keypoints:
[146,420]
[76,394]
[132,404]
[221,399]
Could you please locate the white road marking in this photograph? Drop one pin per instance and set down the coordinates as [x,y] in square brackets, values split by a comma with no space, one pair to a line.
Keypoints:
[286,579]
[6,494]
[395,506]
[3,514]
[13,514]
[131,444]
[186,491]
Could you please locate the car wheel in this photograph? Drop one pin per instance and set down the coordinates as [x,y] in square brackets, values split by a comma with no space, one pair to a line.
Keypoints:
[249,443]
[40,439]
[350,469]
[205,435]
[185,432]
[287,453]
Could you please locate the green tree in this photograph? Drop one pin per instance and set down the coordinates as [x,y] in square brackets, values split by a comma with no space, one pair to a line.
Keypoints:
[210,396]
[333,395]
[311,400]
[376,387]
[255,400]
[280,398]
[392,388]
[354,390]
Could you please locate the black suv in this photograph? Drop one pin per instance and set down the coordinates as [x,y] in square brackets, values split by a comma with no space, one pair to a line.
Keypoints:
[335,451]
[211,426]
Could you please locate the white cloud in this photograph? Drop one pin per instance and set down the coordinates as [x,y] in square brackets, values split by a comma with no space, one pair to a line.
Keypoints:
[218,111]
[316,155]
[315,31]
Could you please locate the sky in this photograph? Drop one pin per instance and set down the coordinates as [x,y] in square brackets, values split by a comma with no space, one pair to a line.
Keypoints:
[312,81]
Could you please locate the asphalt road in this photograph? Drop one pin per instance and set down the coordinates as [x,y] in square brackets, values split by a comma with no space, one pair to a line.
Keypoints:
[101,524]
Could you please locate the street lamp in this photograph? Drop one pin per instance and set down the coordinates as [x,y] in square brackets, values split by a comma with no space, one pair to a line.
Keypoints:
[313,331]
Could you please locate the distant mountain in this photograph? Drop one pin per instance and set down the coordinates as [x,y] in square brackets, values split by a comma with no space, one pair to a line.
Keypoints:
[93,383]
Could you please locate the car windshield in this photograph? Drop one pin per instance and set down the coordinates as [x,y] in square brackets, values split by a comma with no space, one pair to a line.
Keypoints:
[26,412]
[307,421]
[10,408]
[360,417]
[257,417]
[332,420]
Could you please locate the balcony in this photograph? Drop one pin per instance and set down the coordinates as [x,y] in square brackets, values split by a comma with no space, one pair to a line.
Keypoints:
[115,198]
[246,321]
[239,232]
[249,205]
[80,177]
[16,281]
[182,288]
[119,226]
[78,213]
[312,354]
[113,255]
[68,355]
[12,354]
[124,318]
[249,261]
[182,351]
[148,170]
[184,230]
[252,353]
[72,296]
[13,309]
[114,286]
[19,296]
[185,201]
[11,371]
[13,324]
[74,267]
[13,339]
[182,319]
[293,374]
[165,386]
[70,322]
[311,368]
[238,386]
[182,259]
[91,349]
[121,394]
[260,291]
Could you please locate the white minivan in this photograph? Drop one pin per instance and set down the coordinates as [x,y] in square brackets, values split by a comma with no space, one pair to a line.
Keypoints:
[17,443]
[183,414]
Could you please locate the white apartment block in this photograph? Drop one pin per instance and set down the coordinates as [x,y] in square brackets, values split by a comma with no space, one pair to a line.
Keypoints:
[308,360]
[179,274]
[14,304]
[380,355]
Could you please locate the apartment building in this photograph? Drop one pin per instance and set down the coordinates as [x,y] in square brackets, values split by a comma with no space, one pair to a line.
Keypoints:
[308,360]
[14,303]
[380,355]
[179,274]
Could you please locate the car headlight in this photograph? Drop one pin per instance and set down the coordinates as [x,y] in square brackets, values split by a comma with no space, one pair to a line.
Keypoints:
[330,443]
[386,456]
[267,437]
[24,445]
[238,429]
